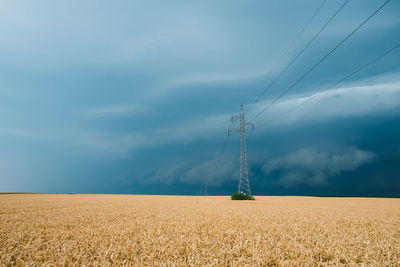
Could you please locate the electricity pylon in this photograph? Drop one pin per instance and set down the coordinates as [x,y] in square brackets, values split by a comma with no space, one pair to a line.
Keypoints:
[244,186]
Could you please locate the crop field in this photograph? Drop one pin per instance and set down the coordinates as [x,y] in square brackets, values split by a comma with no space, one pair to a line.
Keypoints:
[106,230]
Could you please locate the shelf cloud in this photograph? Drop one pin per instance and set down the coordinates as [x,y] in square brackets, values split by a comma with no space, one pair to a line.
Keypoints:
[314,167]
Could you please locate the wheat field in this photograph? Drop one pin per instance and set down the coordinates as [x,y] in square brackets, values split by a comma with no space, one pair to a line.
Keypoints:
[106,230]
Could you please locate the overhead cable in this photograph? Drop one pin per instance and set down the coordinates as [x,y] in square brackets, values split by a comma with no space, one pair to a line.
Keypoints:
[301,51]
[335,84]
[320,61]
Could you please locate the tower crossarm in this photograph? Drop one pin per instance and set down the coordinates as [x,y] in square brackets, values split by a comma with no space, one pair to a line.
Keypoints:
[234,130]
[238,116]
[250,124]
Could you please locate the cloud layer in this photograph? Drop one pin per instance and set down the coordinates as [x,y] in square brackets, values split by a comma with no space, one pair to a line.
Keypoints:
[314,167]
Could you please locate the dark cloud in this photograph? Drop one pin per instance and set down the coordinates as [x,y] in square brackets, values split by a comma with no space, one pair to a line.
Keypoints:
[314,167]
[211,174]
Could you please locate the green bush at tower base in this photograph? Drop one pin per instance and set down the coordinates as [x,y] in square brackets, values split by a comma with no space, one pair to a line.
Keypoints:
[241,196]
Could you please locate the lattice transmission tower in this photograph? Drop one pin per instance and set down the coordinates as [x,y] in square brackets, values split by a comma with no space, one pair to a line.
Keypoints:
[244,186]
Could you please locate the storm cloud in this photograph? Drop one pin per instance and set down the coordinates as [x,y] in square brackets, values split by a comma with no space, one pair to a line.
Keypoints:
[314,167]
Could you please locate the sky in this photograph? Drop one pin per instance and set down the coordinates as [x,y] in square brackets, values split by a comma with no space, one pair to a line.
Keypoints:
[135,97]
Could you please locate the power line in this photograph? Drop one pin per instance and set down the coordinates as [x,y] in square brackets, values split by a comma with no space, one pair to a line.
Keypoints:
[288,48]
[320,61]
[300,53]
[221,154]
[335,84]
[222,151]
